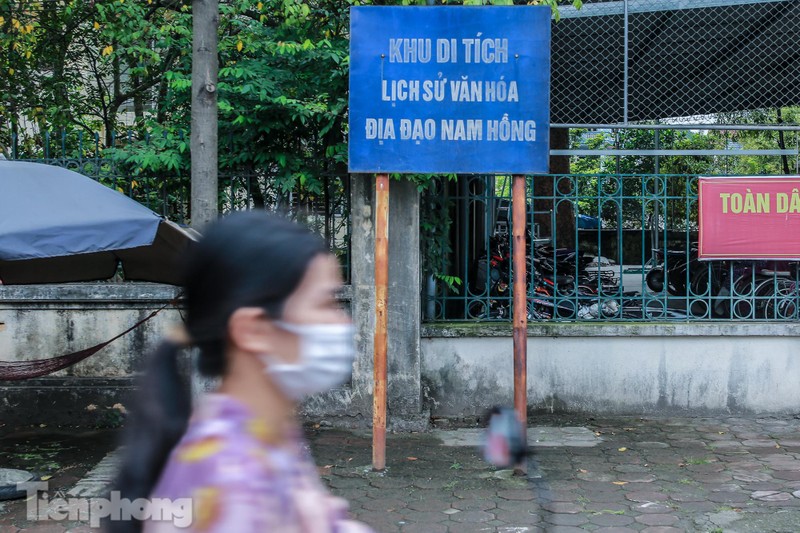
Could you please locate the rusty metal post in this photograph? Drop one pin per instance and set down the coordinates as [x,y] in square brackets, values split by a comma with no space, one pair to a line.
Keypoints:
[519,222]
[381,341]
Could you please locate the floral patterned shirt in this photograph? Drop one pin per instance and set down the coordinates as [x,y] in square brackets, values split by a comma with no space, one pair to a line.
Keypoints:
[240,480]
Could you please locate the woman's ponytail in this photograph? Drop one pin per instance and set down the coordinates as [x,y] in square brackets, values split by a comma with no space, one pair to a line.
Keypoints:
[158,419]
[234,265]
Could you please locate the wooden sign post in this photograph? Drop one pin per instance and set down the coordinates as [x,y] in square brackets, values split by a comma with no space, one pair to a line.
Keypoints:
[381,340]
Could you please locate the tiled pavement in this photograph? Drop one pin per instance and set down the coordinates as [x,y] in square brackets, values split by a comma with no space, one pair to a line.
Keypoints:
[656,475]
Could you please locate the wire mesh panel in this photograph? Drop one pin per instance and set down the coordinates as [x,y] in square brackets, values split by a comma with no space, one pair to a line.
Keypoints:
[587,67]
[687,62]
[615,240]
[691,58]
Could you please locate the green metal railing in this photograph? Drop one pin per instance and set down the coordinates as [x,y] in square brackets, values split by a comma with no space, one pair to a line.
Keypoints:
[167,192]
[98,157]
[608,247]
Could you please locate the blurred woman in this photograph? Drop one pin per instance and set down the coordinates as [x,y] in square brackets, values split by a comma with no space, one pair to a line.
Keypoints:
[261,308]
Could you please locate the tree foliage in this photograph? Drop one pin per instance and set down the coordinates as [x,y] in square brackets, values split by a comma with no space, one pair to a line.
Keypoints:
[112,65]
[75,64]
[106,65]
[630,199]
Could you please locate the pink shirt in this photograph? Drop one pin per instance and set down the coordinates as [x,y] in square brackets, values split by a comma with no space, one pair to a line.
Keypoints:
[240,481]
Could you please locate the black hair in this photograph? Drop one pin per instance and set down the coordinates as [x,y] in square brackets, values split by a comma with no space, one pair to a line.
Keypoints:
[246,259]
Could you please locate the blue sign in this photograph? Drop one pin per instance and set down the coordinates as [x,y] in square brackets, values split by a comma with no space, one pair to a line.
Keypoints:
[449,89]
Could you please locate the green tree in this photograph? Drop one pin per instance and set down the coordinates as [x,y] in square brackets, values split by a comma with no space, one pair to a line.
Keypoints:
[761,139]
[74,64]
[626,191]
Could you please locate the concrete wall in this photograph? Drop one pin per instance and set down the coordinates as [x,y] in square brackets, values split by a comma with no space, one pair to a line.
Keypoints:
[45,321]
[352,405]
[453,370]
[624,369]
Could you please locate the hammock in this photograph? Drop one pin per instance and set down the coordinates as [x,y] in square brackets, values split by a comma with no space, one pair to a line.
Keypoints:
[20,370]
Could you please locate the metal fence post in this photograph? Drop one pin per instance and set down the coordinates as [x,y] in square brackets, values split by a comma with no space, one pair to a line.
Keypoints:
[519,215]
[625,67]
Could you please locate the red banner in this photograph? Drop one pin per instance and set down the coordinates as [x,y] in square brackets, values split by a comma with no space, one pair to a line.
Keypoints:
[749,218]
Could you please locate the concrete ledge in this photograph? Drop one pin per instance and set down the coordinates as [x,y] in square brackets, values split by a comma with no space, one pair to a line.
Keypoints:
[132,293]
[609,329]
[88,292]
[45,321]
[88,296]
[346,294]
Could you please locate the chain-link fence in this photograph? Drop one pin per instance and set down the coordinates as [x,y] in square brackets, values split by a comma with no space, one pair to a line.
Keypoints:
[679,61]
[646,95]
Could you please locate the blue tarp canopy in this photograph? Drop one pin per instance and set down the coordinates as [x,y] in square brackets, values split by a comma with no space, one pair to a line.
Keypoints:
[59,226]
[587,222]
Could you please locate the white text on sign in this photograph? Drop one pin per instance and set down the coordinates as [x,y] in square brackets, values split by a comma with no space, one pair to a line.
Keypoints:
[451,129]
[472,51]
[463,90]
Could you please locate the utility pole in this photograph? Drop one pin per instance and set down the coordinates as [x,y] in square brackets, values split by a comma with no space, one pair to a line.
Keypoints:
[205,66]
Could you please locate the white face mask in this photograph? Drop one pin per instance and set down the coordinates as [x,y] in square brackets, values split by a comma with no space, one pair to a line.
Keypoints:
[325,360]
